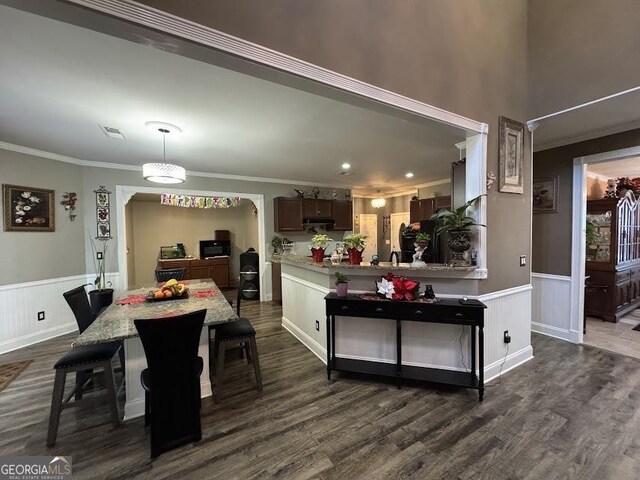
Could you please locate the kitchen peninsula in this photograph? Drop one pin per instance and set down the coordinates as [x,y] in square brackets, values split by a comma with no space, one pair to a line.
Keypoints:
[306,283]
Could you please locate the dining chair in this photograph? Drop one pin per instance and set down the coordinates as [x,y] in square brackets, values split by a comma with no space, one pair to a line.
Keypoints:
[172,380]
[239,333]
[165,274]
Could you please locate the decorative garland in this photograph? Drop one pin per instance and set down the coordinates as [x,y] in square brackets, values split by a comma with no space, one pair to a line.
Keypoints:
[189,201]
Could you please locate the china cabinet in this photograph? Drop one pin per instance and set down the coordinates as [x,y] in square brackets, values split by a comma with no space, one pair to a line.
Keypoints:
[613,257]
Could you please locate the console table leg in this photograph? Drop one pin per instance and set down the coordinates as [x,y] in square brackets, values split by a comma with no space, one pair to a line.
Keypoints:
[481,360]
[399,352]
[328,327]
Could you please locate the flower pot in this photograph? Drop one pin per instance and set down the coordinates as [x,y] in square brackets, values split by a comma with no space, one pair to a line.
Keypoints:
[459,241]
[341,289]
[423,243]
[100,299]
[355,256]
[317,254]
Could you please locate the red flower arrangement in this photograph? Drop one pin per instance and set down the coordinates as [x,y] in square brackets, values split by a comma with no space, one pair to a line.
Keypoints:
[398,288]
[626,183]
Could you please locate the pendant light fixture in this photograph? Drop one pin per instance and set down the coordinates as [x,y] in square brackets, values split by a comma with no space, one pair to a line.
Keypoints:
[378,202]
[163,172]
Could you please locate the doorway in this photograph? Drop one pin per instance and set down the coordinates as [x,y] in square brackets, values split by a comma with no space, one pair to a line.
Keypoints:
[398,223]
[369,227]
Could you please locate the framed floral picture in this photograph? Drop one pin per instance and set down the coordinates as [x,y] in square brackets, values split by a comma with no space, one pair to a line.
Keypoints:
[545,196]
[511,149]
[28,209]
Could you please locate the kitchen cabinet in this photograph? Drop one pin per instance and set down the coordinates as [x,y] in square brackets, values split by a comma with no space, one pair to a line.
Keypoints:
[613,258]
[287,213]
[424,208]
[215,268]
[342,215]
[317,208]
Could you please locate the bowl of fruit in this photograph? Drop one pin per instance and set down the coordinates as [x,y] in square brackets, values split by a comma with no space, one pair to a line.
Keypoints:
[171,290]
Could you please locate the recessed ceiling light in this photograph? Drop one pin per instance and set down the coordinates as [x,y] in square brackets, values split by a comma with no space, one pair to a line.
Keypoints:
[408,175]
[346,166]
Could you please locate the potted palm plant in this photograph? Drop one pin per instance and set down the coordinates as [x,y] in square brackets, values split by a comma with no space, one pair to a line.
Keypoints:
[457,225]
[102,296]
[355,244]
[342,284]
[318,243]
[422,239]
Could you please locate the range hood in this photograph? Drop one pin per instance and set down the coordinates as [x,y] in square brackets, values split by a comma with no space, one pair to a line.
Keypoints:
[317,221]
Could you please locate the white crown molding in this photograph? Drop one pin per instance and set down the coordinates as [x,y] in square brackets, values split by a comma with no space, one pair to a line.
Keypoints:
[138,168]
[587,136]
[164,22]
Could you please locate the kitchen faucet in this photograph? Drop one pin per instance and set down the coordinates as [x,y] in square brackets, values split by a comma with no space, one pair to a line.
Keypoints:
[394,254]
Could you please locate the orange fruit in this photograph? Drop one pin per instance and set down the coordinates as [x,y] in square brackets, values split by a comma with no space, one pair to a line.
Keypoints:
[168,294]
[158,294]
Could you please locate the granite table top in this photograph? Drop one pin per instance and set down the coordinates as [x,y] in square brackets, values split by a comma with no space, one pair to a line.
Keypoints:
[116,321]
[326,264]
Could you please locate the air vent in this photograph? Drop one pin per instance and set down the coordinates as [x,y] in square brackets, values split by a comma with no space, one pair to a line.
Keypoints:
[112,132]
[344,172]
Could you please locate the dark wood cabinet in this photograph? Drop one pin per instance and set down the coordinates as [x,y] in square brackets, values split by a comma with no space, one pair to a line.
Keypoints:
[342,215]
[613,258]
[276,282]
[316,208]
[287,213]
[424,208]
[215,268]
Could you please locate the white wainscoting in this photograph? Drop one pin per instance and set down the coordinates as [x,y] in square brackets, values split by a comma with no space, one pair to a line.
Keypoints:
[551,312]
[426,345]
[21,302]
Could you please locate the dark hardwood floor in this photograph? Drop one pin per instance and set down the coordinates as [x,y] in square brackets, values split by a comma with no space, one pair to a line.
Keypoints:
[572,412]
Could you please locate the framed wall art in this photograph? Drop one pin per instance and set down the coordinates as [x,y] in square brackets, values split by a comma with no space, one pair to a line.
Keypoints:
[103,214]
[545,195]
[28,209]
[511,138]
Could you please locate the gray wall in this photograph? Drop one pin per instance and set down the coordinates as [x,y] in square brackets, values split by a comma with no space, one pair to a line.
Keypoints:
[30,256]
[552,231]
[468,57]
[582,50]
[428,192]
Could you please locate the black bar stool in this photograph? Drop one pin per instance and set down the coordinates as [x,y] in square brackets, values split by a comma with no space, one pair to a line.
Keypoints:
[166,274]
[239,333]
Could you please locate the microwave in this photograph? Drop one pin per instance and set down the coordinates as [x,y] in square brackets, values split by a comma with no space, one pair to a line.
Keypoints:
[215,248]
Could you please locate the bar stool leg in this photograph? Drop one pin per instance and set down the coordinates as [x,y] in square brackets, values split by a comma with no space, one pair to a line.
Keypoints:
[111,392]
[219,370]
[256,362]
[56,405]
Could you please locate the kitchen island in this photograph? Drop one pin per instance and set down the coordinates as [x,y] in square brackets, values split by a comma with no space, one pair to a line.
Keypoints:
[306,283]
[115,323]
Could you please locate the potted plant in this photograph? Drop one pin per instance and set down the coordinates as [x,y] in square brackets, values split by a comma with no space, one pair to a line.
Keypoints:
[276,243]
[342,284]
[355,244]
[457,224]
[102,296]
[318,243]
[422,239]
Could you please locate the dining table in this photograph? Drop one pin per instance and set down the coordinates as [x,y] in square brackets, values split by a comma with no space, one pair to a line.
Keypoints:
[116,323]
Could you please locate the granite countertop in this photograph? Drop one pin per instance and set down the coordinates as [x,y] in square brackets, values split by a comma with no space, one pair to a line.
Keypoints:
[326,264]
[116,321]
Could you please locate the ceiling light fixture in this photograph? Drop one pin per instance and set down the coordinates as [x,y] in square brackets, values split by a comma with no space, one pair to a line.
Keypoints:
[346,166]
[163,172]
[409,174]
[378,202]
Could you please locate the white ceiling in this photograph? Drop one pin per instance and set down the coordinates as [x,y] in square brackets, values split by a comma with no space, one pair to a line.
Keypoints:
[60,82]
[629,167]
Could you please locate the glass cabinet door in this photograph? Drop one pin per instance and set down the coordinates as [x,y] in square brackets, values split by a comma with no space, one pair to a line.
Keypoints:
[599,237]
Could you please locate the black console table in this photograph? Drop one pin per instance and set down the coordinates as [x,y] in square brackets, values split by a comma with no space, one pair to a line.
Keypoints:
[449,311]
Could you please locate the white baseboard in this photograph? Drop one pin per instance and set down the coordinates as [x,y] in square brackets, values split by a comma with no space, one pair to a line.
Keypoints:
[37,337]
[512,361]
[305,339]
[555,332]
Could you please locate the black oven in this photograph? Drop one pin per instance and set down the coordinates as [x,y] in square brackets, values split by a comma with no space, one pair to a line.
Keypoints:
[215,248]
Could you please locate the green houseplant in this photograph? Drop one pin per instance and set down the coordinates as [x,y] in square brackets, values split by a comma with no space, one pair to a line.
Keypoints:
[318,243]
[355,244]
[457,225]
[276,243]
[102,296]
[342,284]
[422,239]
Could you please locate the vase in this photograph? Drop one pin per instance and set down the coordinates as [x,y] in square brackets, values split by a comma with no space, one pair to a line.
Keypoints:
[423,243]
[355,256]
[100,299]
[341,289]
[459,242]
[317,254]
